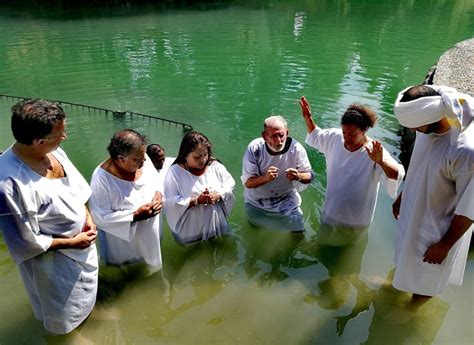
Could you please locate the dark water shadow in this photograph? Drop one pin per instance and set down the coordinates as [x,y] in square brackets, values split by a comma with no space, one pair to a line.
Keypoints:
[270,253]
[205,267]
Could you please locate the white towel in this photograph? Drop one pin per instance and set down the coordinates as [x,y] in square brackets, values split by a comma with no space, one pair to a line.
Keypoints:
[426,110]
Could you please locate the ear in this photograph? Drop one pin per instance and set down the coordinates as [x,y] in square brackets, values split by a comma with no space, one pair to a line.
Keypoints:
[38,142]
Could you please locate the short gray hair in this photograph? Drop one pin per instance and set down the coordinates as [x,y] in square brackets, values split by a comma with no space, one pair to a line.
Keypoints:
[274,121]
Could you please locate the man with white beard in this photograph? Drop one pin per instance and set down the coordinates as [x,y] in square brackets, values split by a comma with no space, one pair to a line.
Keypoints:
[274,168]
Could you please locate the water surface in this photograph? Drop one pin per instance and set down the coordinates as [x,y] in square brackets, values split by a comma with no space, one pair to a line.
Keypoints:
[223,70]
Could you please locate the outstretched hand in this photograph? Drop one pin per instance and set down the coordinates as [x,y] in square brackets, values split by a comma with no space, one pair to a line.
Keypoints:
[376,153]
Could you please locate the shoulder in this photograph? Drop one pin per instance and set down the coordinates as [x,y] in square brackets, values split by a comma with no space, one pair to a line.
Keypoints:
[256,144]
[255,149]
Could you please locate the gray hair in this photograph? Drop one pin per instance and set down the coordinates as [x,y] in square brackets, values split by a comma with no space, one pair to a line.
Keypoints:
[274,121]
[124,142]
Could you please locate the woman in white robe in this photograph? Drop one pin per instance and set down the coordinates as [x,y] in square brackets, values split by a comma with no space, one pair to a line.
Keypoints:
[356,166]
[46,226]
[198,192]
[125,202]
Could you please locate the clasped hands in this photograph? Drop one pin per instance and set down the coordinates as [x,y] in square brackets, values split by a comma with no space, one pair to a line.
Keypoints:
[291,174]
[149,209]
[208,197]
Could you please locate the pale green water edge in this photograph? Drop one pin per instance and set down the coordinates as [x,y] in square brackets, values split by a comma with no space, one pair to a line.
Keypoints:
[223,71]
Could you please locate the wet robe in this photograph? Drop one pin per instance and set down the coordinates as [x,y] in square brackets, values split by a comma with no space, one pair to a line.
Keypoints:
[276,204]
[439,184]
[61,284]
[202,222]
[353,180]
[112,204]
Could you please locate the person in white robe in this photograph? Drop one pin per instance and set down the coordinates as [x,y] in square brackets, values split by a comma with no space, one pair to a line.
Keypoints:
[356,166]
[157,154]
[275,168]
[126,199]
[46,225]
[435,212]
[198,192]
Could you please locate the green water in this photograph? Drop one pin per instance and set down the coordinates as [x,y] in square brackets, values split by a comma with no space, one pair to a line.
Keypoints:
[223,70]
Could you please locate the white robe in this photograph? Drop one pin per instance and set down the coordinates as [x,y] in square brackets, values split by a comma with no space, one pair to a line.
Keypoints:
[279,196]
[112,204]
[353,180]
[61,284]
[439,184]
[161,178]
[202,222]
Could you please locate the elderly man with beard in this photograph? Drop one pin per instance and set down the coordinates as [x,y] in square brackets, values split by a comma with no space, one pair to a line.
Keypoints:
[275,167]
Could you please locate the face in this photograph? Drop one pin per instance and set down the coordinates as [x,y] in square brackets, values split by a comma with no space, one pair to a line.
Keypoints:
[275,138]
[158,159]
[134,160]
[198,158]
[427,129]
[54,139]
[353,136]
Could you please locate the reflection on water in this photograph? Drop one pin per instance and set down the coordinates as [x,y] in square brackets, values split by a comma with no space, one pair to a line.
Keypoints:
[224,71]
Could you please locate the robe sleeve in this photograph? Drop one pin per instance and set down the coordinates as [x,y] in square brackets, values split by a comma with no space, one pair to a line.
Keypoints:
[250,166]
[19,222]
[302,165]
[226,188]
[391,185]
[117,223]
[465,192]
[176,204]
[320,139]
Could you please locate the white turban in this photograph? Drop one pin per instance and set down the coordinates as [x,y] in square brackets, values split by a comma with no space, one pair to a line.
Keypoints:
[430,109]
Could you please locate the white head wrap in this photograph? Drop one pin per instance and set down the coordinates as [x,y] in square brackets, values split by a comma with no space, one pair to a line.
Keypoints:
[426,110]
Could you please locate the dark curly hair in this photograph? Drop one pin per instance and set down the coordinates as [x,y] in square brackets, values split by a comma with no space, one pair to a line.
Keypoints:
[359,115]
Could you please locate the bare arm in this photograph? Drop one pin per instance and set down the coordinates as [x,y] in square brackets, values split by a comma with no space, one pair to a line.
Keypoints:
[376,154]
[396,206]
[437,252]
[306,112]
[257,181]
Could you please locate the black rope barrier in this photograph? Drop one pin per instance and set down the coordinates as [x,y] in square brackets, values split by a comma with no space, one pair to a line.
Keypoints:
[116,113]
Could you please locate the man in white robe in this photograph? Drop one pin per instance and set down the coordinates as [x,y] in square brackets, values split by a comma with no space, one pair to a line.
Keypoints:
[114,202]
[275,168]
[356,166]
[437,206]
[46,226]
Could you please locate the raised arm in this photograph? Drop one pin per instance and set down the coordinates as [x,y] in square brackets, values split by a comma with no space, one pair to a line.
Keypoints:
[306,112]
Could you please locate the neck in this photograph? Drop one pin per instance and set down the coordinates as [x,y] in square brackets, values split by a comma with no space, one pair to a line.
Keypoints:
[115,169]
[197,172]
[444,126]
[356,146]
[28,153]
